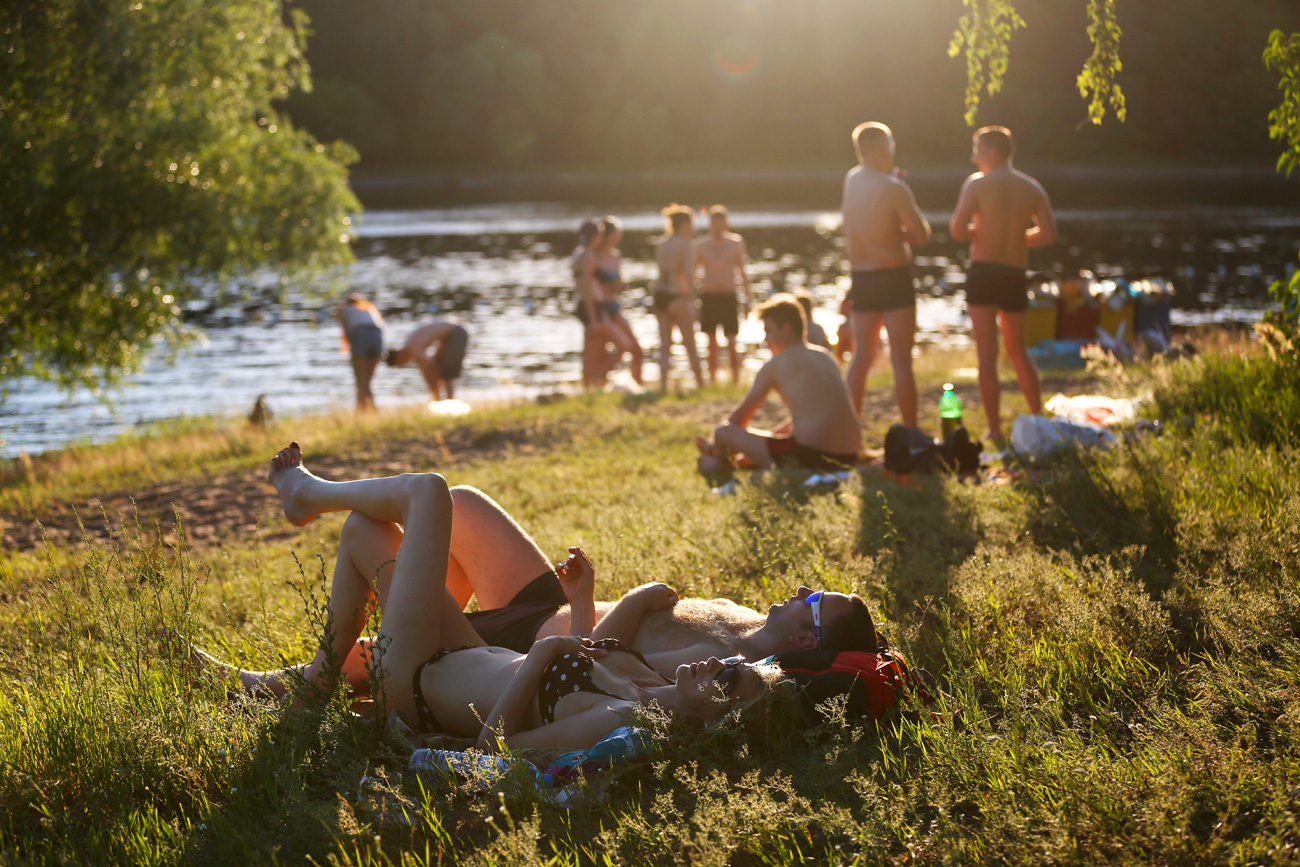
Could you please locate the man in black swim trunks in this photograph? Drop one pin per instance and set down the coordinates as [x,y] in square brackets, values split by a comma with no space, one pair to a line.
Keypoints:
[882,224]
[441,367]
[721,258]
[1003,213]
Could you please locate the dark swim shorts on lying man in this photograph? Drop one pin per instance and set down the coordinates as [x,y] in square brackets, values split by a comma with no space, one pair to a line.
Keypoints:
[515,626]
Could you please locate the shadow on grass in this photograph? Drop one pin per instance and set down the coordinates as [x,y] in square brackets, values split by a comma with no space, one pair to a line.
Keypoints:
[918,531]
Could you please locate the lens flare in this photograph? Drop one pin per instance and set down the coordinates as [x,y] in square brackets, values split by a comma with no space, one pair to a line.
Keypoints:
[737,59]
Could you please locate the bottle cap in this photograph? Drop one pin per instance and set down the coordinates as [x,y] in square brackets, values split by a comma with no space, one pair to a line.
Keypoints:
[947,386]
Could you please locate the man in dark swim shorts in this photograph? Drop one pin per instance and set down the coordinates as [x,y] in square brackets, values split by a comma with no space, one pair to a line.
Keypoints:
[882,224]
[787,450]
[997,204]
[885,289]
[1005,287]
[515,626]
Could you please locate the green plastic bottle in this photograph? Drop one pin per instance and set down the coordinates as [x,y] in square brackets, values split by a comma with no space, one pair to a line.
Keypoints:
[949,410]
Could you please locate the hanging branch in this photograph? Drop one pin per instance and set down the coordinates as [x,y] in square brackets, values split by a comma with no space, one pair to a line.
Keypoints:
[1096,81]
[984,35]
[1283,57]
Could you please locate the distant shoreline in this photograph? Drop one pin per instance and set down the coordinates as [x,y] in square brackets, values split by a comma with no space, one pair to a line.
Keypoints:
[819,187]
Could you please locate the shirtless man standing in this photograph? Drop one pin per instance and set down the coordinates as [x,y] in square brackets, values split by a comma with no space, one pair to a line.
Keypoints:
[440,368]
[1003,213]
[882,224]
[822,433]
[524,598]
[722,258]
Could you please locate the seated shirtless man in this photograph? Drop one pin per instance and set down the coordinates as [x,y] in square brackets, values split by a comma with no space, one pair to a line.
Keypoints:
[822,433]
[523,598]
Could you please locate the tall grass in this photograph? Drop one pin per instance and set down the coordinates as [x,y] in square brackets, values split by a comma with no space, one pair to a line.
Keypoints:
[1122,640]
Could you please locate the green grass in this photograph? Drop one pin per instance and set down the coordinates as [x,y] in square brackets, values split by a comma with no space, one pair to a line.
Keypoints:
[1122,637]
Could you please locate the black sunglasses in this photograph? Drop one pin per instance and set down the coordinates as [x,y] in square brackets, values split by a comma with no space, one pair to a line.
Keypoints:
[729,678]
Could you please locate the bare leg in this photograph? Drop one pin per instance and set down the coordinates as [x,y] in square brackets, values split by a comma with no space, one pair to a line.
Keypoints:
[363,369]
[626,341]
[429,371]
[984,327]
[866,343]
[665,348]
[713,356]
[752,444]
[900,324]
[420,615]
[686,325]
[1013,337]
[733,353]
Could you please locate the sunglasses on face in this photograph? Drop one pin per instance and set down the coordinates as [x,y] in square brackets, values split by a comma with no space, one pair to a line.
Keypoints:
[815,600]
[729,678]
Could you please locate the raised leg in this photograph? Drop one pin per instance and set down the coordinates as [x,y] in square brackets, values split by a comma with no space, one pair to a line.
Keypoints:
[752,444]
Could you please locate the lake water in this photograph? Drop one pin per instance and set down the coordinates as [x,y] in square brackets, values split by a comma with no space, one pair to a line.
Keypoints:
[502,270]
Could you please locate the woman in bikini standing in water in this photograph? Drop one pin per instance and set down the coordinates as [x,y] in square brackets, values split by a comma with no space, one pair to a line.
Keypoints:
[674,292]
[604,269]
[566,691]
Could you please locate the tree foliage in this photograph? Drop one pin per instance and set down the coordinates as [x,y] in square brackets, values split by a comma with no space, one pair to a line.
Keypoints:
[142,157]
[1098,82]
[1283,57]
[984,37]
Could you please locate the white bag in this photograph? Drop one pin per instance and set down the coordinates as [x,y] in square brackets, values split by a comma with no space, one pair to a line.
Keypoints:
[1094,408]
[1037,437]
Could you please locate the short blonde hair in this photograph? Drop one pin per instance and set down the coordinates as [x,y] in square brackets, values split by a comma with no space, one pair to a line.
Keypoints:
[869,136]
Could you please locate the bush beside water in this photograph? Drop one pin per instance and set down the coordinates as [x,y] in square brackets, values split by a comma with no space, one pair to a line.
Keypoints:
[1121,638]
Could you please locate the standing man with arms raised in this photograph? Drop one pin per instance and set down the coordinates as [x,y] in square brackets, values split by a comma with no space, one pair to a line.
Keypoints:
[722,258]
[1003,213]
[882,224]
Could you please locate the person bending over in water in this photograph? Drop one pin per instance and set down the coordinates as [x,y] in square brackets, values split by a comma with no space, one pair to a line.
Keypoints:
[363,340]
[566,691]
[440,368]
[822,433]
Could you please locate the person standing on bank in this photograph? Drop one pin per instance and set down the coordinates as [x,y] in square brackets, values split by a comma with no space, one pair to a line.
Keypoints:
[721,256]
[674,292]
[1003,213]
[363,340]
[882,225]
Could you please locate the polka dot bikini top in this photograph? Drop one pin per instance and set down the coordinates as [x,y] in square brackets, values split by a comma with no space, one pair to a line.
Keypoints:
[571,673]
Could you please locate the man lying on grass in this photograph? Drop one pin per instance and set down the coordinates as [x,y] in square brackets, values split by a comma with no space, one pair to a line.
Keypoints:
[566,691]
[523,599]
[822,433]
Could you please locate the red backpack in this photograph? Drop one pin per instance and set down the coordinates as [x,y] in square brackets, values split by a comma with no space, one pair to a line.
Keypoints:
[873,681]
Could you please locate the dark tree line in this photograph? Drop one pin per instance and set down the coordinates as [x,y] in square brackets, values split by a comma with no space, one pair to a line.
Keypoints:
[444,85]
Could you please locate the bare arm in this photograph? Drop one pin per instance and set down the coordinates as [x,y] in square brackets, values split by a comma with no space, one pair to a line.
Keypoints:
[744,274]
[511,714]
[916,229]
[578,580]
[1044,232]
[967,203]
[624,619]
[749,405]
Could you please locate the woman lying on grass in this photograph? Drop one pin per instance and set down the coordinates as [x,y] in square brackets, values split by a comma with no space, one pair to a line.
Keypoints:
[565,692]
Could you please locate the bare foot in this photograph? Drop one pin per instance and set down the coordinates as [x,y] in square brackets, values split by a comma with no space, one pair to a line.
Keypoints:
[705,445]
[289,476]
[198,661]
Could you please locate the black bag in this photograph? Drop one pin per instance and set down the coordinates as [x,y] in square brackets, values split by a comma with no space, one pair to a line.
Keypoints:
[960,453]
[909,450]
